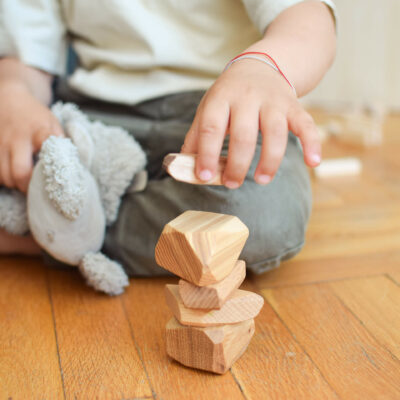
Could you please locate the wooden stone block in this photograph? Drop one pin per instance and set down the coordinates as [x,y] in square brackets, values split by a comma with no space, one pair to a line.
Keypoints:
[182,168]
[241,306]
[201,247]
[212,349]
[215,295]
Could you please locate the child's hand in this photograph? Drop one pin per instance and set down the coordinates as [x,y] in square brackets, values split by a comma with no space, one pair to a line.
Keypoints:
[248,97]
[25,124]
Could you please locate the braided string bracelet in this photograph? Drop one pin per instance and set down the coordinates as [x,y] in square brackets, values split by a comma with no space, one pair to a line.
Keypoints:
[254,55]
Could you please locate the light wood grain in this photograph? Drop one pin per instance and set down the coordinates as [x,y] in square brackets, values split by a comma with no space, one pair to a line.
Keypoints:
[98,355]
[241,306]
[376,302]
[300,272]
[395,276]
[213,348]
[201,247]
[355,365]
[215,295]
[182,168]
[29,366]
[148,315]
[320,336]
[275,366]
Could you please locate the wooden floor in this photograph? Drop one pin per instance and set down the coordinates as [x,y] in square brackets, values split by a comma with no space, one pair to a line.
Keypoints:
[330,328]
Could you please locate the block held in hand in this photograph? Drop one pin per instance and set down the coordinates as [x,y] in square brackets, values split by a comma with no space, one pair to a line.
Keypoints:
[182,168]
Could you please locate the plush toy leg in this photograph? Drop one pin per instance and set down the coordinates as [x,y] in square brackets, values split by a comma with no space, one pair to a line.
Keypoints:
[103,274]
[13,216]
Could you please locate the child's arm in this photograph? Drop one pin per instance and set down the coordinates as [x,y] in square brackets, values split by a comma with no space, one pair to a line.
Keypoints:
[251,96]
[25,120]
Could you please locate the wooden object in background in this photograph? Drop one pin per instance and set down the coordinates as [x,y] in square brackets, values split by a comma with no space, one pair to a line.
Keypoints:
[182,168]
[338,167]
[201,247]
[241,306]
[215,295]
[213,348]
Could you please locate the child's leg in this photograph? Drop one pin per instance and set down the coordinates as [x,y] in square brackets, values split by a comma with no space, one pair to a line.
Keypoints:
[11,244]
[276,215]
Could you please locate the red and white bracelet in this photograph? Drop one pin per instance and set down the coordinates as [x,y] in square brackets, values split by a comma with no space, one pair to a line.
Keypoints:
[254,55]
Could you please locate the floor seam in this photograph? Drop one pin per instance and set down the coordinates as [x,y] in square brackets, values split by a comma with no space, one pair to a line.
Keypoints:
[388,276]
[154,394]
[238,383]
[362,323]
[55,331]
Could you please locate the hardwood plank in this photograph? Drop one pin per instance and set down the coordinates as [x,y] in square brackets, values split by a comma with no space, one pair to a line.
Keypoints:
[300,272]
[351,233]
[350,359]
[376,302]
[324,197]
[29,367]
[275,366]
[148,315]
[98,355]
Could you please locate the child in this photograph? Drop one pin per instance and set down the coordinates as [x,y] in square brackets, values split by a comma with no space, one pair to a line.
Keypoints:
[145,66]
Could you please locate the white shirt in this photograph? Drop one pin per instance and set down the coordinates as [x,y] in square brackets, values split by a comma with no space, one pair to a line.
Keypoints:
[134,50]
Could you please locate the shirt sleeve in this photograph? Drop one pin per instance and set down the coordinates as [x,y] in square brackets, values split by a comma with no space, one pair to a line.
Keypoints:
[34,32]
[263,12]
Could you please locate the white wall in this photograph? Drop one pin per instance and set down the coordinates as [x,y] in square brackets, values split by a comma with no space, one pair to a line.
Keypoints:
[367,68]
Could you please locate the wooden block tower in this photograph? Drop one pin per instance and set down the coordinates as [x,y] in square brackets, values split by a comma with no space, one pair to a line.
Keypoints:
[213,320]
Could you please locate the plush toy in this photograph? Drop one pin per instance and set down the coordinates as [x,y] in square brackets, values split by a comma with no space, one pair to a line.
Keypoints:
[75,193]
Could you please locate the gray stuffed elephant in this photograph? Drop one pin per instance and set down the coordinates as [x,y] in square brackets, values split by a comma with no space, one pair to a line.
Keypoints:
[75,193]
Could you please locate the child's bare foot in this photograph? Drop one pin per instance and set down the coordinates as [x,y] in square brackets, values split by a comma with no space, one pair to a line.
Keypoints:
[11,244]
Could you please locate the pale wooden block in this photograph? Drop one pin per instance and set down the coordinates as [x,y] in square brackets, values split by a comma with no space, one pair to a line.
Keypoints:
[201,247]
[215,295]
[241,306]
[338,167]
[212,349]
[182,168]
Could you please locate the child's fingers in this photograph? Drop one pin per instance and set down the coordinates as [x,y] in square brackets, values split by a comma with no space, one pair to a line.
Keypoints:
[302,125]
[190,143]
[21,164]
[243,132]
[5,170]
[39,137]
[211,129]
[274,129]
[53,128]
[56,128]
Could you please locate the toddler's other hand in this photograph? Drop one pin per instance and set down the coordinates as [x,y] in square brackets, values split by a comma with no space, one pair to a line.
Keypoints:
[25,124]
[249,97]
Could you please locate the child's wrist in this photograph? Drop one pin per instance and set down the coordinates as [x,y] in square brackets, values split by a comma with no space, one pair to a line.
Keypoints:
[263,57]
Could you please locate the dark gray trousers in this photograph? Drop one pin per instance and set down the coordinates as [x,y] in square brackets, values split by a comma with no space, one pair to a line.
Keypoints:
[276,214]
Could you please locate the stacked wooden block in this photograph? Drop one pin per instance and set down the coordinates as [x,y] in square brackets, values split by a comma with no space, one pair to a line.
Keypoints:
[213,320]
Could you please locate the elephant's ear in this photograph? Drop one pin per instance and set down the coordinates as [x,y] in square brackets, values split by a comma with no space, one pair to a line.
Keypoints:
[117,159]
[64,176]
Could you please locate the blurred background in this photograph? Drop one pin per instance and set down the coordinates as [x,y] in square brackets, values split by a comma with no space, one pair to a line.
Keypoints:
[366,72]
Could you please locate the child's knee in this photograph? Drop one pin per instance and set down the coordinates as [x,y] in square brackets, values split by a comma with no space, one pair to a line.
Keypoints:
[277,218]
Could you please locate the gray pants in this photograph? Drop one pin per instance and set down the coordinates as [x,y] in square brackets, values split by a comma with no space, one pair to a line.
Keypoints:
[276,214]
